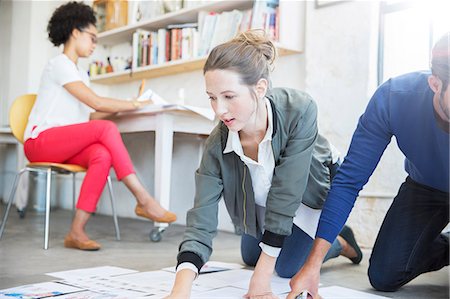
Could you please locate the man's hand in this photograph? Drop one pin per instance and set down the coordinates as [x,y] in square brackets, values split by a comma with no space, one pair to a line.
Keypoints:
[307,279]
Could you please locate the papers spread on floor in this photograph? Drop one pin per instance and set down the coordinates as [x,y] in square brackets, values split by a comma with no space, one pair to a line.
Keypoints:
[225,281]
[159,104]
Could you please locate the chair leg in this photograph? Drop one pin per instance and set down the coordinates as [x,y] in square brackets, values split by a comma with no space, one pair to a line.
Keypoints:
[10,201]
[74,192]
[47,207]
[113,207]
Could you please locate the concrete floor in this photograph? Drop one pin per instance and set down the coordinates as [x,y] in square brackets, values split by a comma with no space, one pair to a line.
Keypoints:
[23,261]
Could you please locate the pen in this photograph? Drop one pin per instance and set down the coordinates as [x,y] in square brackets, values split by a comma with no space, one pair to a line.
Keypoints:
[141,88]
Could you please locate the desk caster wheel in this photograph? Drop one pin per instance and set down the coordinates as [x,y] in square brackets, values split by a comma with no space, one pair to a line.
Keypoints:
[21,213]
[155,235]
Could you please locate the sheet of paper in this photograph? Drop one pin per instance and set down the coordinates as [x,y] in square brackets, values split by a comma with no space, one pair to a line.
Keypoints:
[111,286]
[227,292]
[89,295]
[336,292]
[279,285]
[38,290]
[160,104]
[155,282]
[92,272]
[234,276]
[151,95]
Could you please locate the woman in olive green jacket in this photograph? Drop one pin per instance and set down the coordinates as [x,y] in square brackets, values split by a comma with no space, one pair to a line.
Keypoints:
[268,162]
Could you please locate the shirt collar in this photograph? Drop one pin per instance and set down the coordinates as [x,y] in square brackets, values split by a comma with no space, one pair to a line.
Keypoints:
[233,141]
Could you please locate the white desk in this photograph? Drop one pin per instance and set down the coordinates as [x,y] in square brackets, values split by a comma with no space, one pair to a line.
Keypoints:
[164,123]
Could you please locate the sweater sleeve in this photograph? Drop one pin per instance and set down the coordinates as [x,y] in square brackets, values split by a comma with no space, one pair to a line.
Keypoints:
[369,141]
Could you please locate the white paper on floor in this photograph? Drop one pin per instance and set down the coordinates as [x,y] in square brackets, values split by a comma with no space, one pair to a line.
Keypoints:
[120,283]
[38,290]
[92,272]
[336,292]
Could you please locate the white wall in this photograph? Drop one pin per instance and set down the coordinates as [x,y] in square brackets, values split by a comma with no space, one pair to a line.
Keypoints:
[341,51]
[338,69]
[24,51]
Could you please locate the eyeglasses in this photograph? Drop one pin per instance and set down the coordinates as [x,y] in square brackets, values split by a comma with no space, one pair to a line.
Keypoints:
[93,36]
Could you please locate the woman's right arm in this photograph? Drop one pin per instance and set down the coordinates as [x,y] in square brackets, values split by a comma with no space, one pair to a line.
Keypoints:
[202,219]
[86,95]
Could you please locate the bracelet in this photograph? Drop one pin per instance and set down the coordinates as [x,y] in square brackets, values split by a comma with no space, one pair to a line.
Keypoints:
[136,104]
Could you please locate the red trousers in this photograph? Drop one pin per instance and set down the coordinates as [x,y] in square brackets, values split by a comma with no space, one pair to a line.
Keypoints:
[95,145]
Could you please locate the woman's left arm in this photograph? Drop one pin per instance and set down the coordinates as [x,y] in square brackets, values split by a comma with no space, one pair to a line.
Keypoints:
[260,282]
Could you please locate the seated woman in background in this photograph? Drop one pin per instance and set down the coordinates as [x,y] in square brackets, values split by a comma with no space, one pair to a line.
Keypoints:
[268,162]
[59,129]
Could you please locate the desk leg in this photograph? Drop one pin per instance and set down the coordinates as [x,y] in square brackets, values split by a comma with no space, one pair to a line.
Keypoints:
[163,162]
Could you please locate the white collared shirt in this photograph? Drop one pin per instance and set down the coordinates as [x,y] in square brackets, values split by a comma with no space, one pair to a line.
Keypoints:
[261,172]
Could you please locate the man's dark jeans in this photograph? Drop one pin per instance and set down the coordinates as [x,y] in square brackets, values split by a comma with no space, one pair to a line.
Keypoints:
[410,241]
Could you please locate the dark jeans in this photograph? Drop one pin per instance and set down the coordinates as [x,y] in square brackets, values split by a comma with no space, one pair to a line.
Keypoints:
[410,241]
[293,255]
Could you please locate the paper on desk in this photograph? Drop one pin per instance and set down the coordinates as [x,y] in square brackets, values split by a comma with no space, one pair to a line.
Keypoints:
[92,272]
[335,292]
[160,104]
[151,95]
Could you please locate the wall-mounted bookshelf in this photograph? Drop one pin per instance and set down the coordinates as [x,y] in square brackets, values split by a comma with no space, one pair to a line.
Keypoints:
[291,37]
[123,34]
[169,68]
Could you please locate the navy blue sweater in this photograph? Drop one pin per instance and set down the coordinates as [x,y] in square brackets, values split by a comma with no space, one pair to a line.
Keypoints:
[401,107]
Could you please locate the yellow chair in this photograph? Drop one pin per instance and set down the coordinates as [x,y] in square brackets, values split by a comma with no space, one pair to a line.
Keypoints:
[18,119]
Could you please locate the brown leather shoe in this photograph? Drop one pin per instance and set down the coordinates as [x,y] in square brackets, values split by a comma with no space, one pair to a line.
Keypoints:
[167,218]
[89,245]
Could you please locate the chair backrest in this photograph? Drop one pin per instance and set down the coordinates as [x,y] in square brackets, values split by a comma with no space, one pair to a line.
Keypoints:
[18,114]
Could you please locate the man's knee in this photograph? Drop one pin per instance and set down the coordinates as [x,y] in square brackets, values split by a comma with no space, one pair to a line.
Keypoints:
[384,280]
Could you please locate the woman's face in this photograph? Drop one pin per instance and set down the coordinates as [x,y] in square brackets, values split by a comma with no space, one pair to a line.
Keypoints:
[87,41]
[233,102]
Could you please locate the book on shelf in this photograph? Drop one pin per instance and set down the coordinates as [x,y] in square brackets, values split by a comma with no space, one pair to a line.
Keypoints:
[159,104]
[265,15]
[179,41]
[217,28]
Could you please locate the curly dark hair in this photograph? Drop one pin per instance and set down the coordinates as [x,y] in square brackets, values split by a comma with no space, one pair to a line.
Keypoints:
[66,18]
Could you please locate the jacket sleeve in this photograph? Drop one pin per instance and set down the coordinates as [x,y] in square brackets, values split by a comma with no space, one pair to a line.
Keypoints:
[202,219]
[290,177]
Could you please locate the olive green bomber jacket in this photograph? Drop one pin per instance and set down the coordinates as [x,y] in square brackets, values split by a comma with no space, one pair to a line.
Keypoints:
[301,174]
